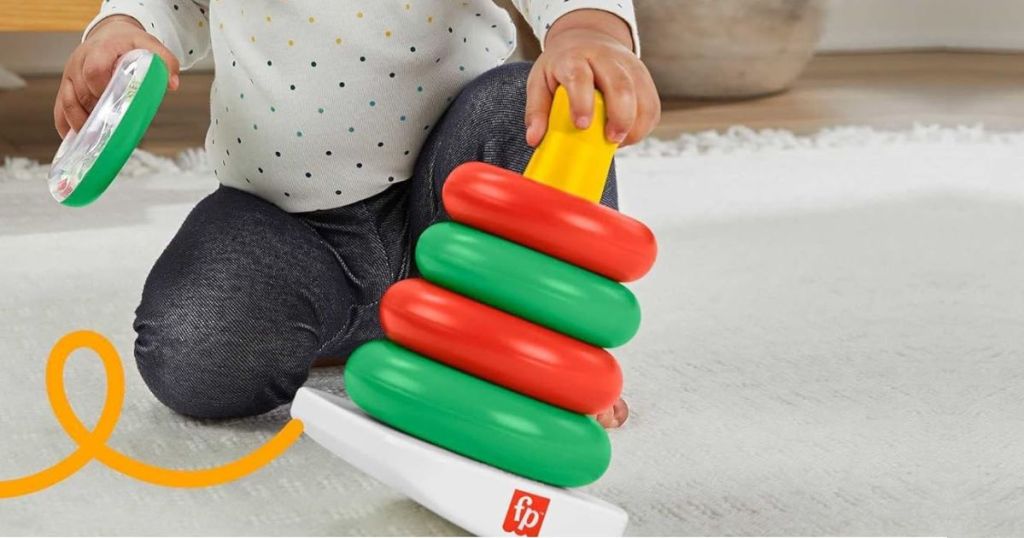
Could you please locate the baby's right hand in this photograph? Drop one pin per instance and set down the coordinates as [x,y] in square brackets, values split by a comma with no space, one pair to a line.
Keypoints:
[91,67]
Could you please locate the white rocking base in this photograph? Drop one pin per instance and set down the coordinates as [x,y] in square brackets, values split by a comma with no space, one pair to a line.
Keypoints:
[474,496]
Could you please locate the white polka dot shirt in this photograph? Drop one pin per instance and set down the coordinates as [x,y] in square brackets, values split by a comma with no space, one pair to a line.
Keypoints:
[320,104]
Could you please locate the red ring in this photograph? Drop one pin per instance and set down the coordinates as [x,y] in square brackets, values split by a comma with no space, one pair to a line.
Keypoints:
[589,235]
[501,348]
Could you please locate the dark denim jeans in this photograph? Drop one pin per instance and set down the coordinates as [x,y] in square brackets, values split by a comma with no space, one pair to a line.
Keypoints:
[246,296]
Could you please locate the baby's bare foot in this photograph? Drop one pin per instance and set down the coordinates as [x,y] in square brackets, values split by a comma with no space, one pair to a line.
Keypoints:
[614,417]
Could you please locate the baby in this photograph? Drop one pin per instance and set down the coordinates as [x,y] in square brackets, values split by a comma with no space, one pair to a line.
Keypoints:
[334,126]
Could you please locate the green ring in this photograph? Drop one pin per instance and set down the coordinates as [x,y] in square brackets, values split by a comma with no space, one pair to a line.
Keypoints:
[477,419]
[528,284]
[125,138]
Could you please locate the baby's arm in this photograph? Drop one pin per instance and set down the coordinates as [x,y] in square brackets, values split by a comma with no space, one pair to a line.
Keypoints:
[588,44]
[171,29]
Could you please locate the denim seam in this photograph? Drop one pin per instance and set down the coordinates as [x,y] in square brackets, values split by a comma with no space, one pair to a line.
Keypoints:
[342,332]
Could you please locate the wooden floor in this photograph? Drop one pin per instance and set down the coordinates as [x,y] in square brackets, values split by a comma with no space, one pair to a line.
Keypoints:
[888,91]
[882,90]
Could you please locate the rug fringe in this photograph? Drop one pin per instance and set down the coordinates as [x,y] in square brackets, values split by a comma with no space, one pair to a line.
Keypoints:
[734,139]
[745,139]
[141,164]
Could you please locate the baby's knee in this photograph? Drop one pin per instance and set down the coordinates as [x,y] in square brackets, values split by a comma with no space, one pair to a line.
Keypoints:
[211,370]
[178,376]
[498,91]
[504,80]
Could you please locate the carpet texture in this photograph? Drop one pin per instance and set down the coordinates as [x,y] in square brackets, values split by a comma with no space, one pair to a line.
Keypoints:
[832,344]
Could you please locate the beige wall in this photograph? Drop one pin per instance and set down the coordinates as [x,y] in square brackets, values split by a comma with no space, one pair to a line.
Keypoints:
[35,53]
[917,24]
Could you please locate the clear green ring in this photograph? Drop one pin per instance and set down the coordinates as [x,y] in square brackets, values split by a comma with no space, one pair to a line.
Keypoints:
[124,138]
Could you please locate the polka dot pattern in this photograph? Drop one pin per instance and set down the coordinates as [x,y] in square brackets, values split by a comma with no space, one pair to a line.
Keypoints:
[322,104]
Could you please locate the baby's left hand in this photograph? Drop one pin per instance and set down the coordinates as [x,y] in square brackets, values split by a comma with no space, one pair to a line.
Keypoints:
[587,49]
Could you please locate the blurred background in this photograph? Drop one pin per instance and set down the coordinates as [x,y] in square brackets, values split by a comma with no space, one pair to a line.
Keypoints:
[881,63]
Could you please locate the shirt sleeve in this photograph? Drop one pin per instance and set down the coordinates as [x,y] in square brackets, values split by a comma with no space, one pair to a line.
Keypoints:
[183,26]
[541,14]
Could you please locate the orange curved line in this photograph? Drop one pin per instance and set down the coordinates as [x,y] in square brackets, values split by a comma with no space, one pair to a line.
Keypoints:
[92,444]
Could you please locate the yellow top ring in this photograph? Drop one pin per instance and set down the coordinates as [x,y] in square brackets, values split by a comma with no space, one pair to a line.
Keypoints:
[570,159]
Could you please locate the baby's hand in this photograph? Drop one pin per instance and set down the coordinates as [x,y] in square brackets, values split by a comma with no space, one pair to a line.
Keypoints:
[589,48]
[92,65]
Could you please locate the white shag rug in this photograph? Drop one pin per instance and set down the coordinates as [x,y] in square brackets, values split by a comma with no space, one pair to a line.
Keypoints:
[832,344]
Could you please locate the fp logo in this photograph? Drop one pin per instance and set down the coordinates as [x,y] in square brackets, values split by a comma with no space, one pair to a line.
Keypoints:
[525,513]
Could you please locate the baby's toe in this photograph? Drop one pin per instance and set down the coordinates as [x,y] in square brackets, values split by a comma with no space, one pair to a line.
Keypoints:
[615,416]
[621,411]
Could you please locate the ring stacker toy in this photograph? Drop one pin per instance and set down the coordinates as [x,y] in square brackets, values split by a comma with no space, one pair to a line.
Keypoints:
[477,405]
[88,161]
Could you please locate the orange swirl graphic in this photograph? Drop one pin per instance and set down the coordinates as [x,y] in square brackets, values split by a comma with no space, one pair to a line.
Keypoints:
[92,443]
